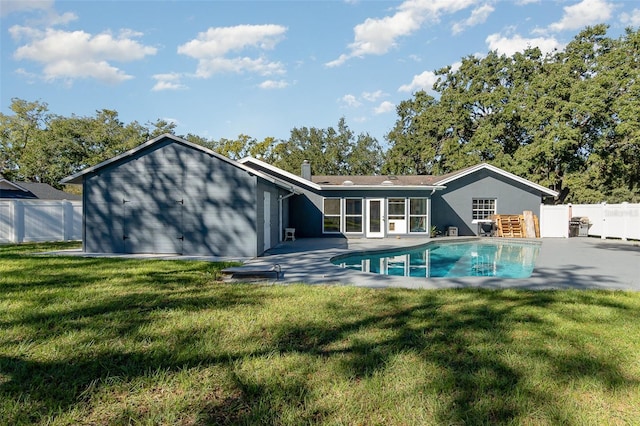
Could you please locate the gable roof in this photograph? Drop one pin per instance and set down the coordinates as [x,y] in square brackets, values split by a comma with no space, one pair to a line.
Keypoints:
[391,181]
[450,177]
[8,185]
[77,177]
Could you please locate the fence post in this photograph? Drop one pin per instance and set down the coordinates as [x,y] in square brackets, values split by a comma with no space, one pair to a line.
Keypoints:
[67,220]
[604,220]
[626,216]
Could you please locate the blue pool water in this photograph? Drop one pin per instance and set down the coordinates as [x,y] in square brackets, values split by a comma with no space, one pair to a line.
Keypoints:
[477,258]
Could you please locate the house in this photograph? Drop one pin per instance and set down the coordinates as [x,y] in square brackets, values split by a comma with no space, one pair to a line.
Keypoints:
[387,206]
[32,191]
[172,196]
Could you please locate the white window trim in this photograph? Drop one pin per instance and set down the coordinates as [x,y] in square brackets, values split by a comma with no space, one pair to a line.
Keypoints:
[425,215]
[495,206]
[404,218]
[340,215]
[345,215]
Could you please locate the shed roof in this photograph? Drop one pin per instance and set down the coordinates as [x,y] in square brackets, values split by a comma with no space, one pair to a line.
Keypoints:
[78,177]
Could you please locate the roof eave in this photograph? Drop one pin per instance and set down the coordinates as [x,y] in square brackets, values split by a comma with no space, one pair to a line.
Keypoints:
[13,184]
[274,169]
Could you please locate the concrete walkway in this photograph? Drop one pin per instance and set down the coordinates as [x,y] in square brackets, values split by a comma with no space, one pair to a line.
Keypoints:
[562,263]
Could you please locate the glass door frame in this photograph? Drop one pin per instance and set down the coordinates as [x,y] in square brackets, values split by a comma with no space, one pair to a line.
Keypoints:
[375,228]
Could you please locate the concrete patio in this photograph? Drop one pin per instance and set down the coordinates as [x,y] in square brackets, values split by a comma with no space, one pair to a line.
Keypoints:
[562,263]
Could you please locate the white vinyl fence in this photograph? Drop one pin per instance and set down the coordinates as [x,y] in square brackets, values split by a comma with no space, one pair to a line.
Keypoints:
[605,220]
[40,220]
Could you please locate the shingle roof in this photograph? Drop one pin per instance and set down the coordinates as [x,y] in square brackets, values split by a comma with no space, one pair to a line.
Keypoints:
[376,180]
[37,191]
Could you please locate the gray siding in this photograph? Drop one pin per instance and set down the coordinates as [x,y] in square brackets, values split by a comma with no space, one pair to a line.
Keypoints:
[171,198]
[452,206]
[306,210]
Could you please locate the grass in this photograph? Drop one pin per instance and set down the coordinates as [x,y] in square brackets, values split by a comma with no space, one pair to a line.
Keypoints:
[114,341]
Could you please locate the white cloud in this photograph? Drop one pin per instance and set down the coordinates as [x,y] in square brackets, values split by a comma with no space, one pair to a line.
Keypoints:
[373,96]
[69,55]
[47,15]
[510,45]
[272,84]
[478,16]
[376,36]
[422,81]
[384,108]
[632,19]
[427,79]
[350,101]
[169,81]
[10,6]
[579,15]
[212,47]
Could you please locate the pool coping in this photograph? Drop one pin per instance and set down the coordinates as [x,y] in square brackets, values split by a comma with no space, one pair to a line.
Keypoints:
[433,242]
[562,263]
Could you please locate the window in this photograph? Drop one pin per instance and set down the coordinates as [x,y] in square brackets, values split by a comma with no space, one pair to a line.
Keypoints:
[483,208]
[396,208]
[397,216]
[418,215]
[353,214]
[332,215]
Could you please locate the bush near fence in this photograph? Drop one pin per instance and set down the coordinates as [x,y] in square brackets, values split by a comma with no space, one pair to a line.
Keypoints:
[40,220]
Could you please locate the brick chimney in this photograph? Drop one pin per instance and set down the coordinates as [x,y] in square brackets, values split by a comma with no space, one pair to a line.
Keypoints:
[306,170]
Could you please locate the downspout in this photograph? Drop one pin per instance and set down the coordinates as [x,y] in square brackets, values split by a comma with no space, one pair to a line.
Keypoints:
[280,198]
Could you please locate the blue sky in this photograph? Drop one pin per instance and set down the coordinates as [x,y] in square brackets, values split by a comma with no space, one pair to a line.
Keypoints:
[260,68]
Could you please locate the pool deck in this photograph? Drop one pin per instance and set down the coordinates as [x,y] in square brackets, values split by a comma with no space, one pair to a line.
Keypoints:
[562,263]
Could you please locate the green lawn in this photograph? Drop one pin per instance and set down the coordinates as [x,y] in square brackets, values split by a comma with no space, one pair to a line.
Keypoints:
[114,341]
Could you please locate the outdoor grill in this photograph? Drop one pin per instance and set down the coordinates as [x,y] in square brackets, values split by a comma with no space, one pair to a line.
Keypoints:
[579,226]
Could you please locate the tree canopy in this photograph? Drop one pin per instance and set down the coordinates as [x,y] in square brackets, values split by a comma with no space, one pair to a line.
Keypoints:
[567,120]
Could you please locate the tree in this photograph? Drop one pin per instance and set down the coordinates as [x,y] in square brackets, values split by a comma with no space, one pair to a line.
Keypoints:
[18,132]
[416,137]
[330,151]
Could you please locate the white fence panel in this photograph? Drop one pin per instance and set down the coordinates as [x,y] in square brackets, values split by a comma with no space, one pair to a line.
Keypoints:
[40,220]
[6,222]
[606,220]
[43,221]
[73,226]
[554,221]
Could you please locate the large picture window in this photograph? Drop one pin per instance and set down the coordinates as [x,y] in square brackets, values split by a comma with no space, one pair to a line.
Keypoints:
[418,215]
[332,215]
[353,215]
[483,208]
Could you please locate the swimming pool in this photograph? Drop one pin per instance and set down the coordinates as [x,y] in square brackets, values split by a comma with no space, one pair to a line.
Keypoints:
[476,258]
